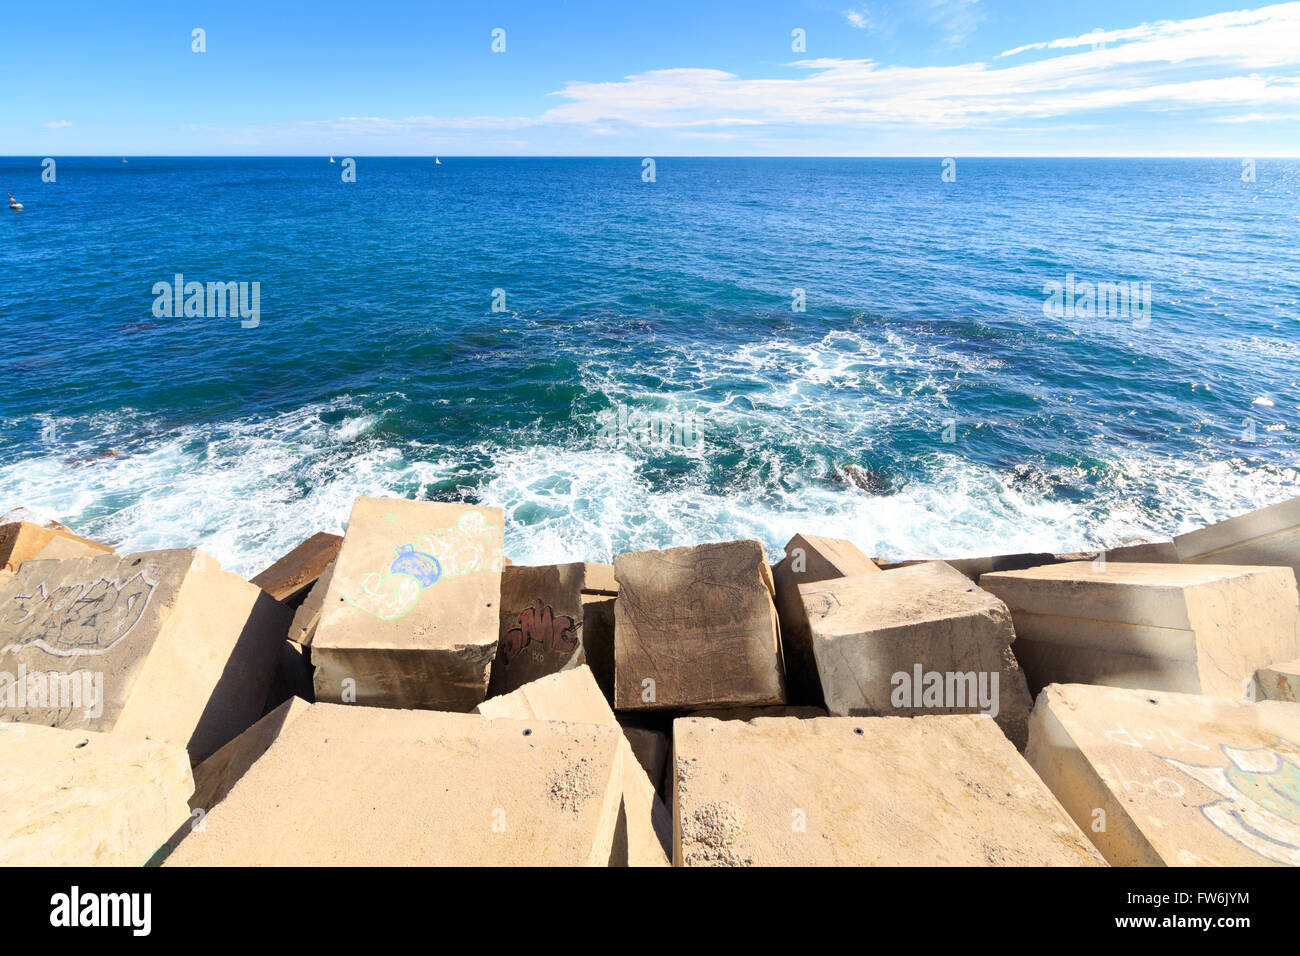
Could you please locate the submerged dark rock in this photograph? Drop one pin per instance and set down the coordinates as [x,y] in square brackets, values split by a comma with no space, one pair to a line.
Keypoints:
[871,480]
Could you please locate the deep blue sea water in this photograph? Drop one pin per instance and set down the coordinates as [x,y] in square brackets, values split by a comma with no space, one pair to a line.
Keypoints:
[378,365]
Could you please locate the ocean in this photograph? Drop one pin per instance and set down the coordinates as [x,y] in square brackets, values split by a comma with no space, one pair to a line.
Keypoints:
[740,348]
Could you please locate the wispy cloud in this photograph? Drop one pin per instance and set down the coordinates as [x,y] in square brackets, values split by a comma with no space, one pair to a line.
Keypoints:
[57,124]
[1168,29]
[958,19]
[1236,67]
[954,20]
[1223,63]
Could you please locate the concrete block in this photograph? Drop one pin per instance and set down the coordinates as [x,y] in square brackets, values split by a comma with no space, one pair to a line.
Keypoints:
[696,627]
[809,558]
[289,579]
[215,777]
[1279,681]
[307,615]
[1157,778]
[916,640]
[572,696]
[161,644]
[23,540]
[365,786]
[871,791]
[80,798]
[544,620]
[1202,629]
[411,615]
[1268,536]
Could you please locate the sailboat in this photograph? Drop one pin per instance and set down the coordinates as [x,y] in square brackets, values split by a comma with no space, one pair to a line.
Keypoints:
[437,161]
[14,203]
[331,159]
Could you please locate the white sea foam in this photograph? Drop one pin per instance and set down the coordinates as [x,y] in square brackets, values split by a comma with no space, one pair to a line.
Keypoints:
[246,491]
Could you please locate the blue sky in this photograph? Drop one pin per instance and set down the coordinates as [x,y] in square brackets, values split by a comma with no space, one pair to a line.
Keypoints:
[885,77]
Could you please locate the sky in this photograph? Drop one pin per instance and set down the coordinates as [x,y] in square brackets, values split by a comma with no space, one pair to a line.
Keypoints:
[656,78]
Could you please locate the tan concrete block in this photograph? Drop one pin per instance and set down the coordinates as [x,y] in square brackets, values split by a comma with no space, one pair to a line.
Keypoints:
[1267,536]
[1279,681]
[161,644]
[1157,778]
[290,578]
[573,696]
[411,615]
[307,615]
[23,540]
[79,798]
[871,791]
[808,558]
[215,777]
[544,620]
[1201,629]
[696,627]
[885,642]
[367,786]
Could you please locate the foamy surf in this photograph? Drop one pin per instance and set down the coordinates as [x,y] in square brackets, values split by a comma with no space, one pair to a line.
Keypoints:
[249,490]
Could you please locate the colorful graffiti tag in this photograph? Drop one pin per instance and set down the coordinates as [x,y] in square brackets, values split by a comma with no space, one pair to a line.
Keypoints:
[1259,805]
[466,548]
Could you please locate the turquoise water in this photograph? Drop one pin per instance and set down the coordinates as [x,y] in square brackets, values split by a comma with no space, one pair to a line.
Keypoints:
[648,382]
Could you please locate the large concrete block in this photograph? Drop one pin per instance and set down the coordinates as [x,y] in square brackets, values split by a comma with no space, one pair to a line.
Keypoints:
[79,798]
[547,620]
[696,627]
[871,791]
[1279,681]
[1267,536]
[1164,779]
[1197,629]
[809,558]
[366,786]
[916,640]
[572,696]
[24,540]
[289,579]
[411,615]
[161,644]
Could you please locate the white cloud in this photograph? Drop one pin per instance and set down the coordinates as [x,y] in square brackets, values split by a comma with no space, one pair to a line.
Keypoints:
[57,124]
[859,18]
[1220,63]
[1242,66]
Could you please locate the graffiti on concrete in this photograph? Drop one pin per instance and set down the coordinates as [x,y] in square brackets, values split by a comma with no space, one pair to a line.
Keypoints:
[539,626]
[466,548]
[76,619]
[1259,798]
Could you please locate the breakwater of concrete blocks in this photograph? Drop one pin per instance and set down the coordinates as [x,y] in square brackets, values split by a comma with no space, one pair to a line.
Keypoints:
[405,694]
